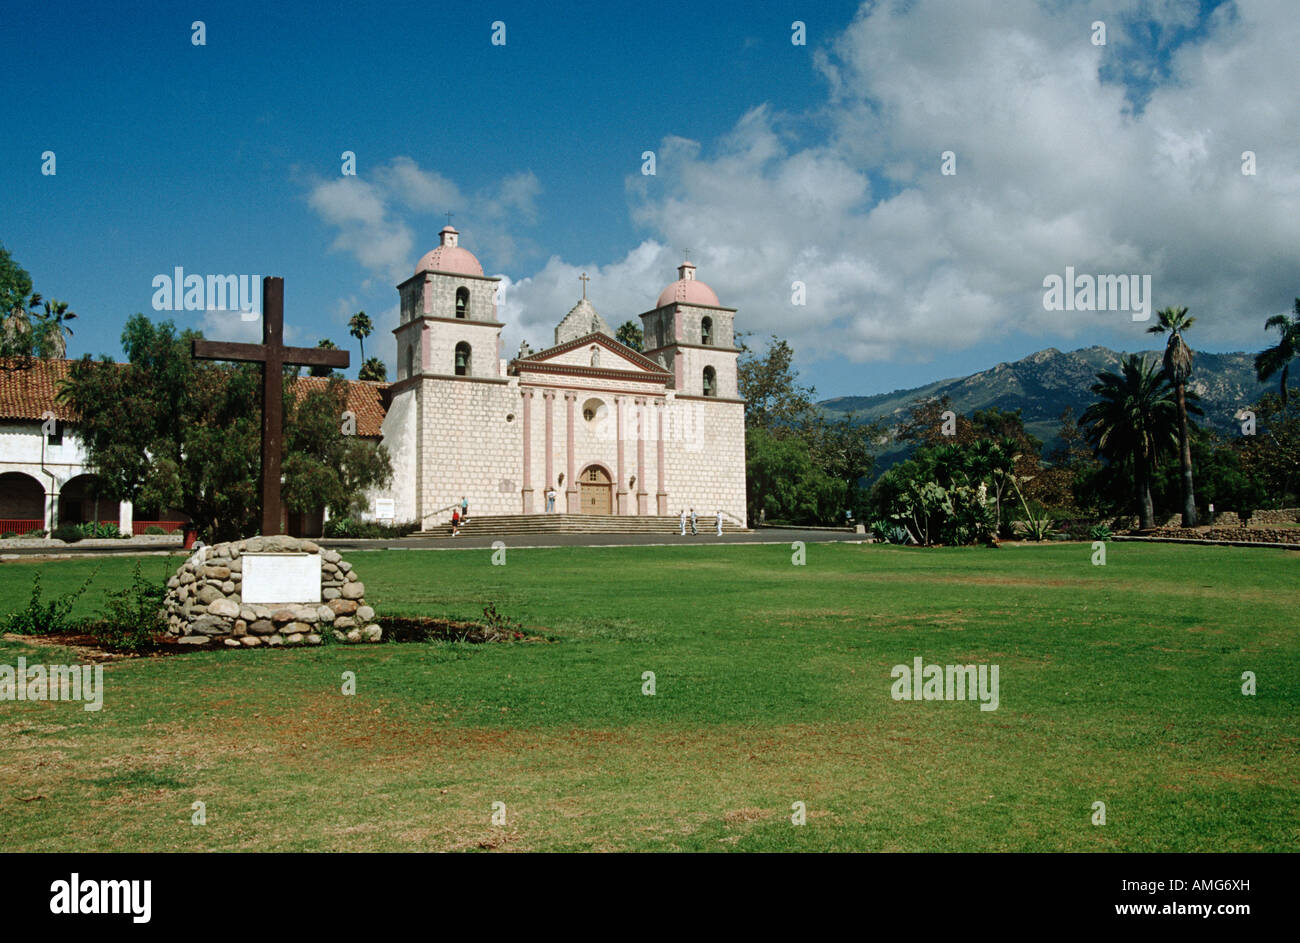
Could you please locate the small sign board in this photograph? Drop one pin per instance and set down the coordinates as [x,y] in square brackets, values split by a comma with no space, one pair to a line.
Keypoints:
[385,509]
[281,577]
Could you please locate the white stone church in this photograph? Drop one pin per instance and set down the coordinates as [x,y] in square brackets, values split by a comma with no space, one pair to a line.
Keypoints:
[608,430]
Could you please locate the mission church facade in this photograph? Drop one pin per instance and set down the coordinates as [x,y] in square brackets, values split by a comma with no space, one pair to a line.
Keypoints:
[611,431]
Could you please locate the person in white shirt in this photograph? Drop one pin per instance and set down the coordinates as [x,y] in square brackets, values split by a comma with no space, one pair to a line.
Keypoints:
[683,522]
[719,522]
[694,520]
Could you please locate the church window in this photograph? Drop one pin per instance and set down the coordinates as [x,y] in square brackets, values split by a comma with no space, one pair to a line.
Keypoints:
[462,359]
[410,360]
[706,331]
[710,382]
[462,302]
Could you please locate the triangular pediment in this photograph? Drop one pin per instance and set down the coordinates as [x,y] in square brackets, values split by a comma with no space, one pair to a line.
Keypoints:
[610,356]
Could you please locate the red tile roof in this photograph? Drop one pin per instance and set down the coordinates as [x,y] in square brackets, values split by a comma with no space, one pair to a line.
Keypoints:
[26,393]
[365,401]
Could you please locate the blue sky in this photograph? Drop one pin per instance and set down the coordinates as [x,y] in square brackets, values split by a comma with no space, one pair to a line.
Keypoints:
[775,162]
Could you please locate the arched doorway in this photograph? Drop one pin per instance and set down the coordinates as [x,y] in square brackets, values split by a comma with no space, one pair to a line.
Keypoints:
[22,504]
[595,491]
[80,504]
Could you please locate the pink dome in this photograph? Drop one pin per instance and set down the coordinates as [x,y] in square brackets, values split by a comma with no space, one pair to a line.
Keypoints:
[688,289]
[449,257]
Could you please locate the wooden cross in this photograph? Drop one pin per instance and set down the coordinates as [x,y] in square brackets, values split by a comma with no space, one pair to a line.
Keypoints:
[584,279]
[273,356]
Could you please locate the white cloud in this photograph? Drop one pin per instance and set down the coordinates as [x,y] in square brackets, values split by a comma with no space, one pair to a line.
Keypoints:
[1054,168]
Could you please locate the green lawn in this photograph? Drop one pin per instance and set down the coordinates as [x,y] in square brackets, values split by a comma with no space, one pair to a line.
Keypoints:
[1119,684]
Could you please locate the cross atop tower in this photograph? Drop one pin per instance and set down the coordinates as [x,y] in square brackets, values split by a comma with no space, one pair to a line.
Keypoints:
[448,215]
[584,279]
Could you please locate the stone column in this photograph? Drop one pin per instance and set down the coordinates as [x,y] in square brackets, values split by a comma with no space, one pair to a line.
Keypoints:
[571,480]
[549,397]
[620,495]
[125,517]
[526,417]
[51,508]
[641,494]
[661,487]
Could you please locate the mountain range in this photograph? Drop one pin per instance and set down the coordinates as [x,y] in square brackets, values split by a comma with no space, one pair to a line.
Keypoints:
[1043,384]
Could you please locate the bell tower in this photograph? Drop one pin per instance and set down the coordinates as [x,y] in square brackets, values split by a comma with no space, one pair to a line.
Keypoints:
[448,322]
[692,336]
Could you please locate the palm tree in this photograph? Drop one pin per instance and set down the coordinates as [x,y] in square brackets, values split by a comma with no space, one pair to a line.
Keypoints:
[1278,359]
[16,331]
[50,328]
[359,326]
[373,369]
[323,344]
[1134,422]
[1178,367]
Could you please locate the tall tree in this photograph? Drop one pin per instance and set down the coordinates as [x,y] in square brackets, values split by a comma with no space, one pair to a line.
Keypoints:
[165,431]
[1277,359]
[629,334]
[325,344]
[50,328]
[1134,421]
[373,369]
[1178,367]
[769,385]
[321,467]
[360,327]
[14,284]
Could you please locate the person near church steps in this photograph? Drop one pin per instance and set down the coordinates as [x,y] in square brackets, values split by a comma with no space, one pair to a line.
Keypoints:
[683,519]
[464,508]
[719,522]
[455,523]
[694,522]
[550,500]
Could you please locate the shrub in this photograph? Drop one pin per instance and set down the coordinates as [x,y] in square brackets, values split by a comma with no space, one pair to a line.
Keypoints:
[94,529]
[898,535]
[1035,528]
[153,530]
[68,533]
[1099,532]
[132,619]
[8,535]
[34,533]
[45,618]
[500,625]
[367,530]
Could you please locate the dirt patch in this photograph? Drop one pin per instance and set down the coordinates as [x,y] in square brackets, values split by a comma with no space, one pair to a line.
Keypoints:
[450,630]
[88,647]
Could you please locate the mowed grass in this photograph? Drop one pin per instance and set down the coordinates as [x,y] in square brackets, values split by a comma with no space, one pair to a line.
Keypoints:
[1118,684]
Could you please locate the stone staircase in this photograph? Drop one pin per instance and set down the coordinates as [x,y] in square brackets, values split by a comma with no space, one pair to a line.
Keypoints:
[525,524]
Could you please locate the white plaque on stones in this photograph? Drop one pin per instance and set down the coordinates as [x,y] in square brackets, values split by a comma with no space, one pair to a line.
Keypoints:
[281,577]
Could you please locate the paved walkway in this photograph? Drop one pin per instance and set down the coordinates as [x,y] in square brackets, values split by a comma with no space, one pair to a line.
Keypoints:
[767,535]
